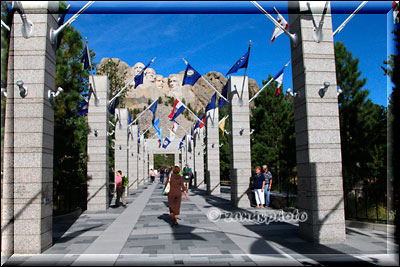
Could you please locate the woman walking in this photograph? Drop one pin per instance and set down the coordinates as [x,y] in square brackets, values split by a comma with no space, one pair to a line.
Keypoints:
[259,183]
[175,194]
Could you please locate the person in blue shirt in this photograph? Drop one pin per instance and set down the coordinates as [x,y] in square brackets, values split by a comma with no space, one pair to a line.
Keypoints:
[259,183]
[268,184]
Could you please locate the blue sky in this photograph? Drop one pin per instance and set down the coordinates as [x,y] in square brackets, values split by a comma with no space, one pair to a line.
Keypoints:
[214,42]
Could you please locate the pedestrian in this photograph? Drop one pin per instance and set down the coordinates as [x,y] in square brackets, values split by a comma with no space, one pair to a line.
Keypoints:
[186,176]
[152,175]
[259,183]
[120,190]
[175,194]
[268,184]
[162,173]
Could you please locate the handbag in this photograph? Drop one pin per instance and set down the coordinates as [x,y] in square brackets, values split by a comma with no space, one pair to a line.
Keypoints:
[166,189]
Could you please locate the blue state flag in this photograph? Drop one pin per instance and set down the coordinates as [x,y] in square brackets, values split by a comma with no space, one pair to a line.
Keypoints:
[82,107]
[191,133]
[153,109]
[129,119]
[139,77]
[212,104]
[157,128]
[224,93]
[182,142]
[138,135]
[166,142]
[85,58]
[191,75]
[241,63]
[113,106]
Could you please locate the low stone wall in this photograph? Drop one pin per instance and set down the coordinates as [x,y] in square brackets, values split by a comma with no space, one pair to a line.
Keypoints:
[279,200]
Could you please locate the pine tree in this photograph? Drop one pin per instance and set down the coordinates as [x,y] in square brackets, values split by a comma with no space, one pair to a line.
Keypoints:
[363,124]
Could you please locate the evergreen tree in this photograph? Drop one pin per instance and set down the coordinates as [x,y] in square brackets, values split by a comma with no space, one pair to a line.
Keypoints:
[363,125]
[273,139]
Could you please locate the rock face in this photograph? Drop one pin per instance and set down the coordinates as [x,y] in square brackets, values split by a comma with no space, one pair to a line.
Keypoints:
[155,86]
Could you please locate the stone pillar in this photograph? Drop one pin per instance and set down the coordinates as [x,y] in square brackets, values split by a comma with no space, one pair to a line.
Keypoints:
[27,192]
[240,154]
[177,159]
[199,159]
[190,153]
[213,179]
[318,149]
[121,143]
[151,161]
[145,164]
[133,159]
[184,152]
[97,148]
[140,162]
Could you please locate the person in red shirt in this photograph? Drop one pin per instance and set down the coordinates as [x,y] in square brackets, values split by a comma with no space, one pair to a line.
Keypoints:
[120,190]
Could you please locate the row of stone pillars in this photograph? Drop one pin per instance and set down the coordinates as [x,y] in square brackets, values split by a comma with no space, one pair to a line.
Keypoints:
[26,225]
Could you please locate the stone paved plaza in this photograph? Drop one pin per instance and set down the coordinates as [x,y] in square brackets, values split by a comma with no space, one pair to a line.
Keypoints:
[141,235]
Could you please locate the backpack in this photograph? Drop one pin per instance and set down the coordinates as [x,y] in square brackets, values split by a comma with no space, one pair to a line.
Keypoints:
[186,171]
[125,181]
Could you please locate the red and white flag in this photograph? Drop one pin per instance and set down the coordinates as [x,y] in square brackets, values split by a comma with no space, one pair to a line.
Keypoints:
[175,127]
[277,31]
[396,12]
[178,108]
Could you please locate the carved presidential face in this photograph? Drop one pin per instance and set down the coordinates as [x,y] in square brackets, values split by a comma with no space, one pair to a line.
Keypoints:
[138,67]
[159,81]
[173,81]
[150,75]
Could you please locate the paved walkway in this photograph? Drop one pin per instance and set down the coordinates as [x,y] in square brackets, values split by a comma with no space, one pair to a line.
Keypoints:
[141,235]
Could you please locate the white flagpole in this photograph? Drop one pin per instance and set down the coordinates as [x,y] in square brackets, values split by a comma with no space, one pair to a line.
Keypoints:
[190,111]
[141,113]
[91,73]
[212,87]
[53,33]
[349,18]
[259,91]
[129,83]
[5,26]
[224,118]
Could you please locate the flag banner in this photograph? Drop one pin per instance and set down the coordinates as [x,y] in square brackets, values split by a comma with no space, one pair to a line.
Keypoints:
[176,110]
[197,125]
[396,12]
[221,101]
[222,127]
[85,58]
[171,135]
[241,63]
[191,133]
[82,107]
[113,106]
[212,104]
[159,143]
[175,127]
[279,78]
[182,142]
[166,142]
[157,128]
[278,31]
[129,119]
[138,135]
[191,75]
[139,77]
[153,109]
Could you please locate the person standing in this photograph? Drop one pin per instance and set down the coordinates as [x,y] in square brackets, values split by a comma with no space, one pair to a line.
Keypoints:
[186,176]
[152,175]
[120,190]
[175,194]
[268,184]
[162,173]
[259,183]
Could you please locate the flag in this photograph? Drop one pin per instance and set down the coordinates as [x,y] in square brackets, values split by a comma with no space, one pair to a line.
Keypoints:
[279,78]
[138,135]
[241,63]
[278,31]
[182,142]
[396,12]
[222,127]
[153,109]
[129,119]
[82,107]
[159,143]
[166,142]
[175,127]
[113,106]
[157,128]
[224,93]
[139,77]
[191,133]
[176,110]
[191,75]
[198,124]
[60,22]
[85,58]
[171,135]
[211,105]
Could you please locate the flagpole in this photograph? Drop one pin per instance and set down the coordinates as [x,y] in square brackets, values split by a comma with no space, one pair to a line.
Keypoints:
[245,70]
[91,73]
[292,36]
[5,26]
[349,18]
[259,91]
[212,87]
[141,113]
[224,118]
[129,83]
[54,33]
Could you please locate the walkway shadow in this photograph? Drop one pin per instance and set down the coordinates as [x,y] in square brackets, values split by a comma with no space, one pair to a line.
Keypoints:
[181,231]
[76,234]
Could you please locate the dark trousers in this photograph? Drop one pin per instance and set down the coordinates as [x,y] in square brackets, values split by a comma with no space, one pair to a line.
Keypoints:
[120,194]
